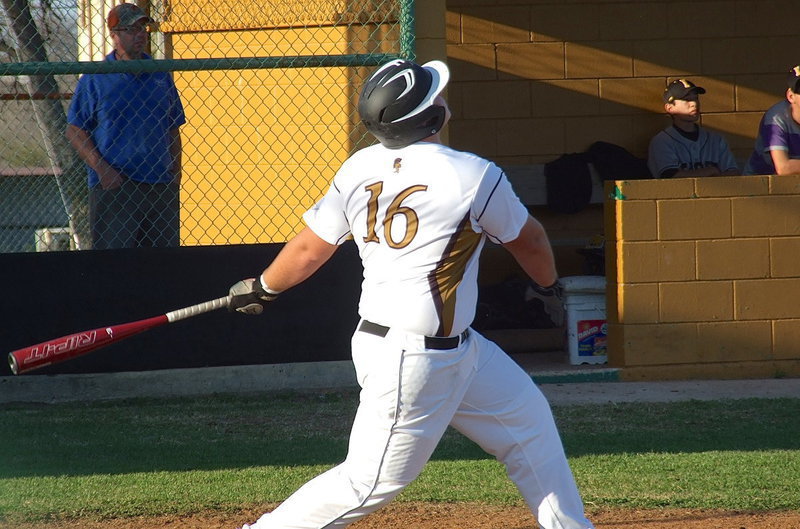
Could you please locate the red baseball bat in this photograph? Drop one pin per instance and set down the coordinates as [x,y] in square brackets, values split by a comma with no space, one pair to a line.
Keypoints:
[80,343]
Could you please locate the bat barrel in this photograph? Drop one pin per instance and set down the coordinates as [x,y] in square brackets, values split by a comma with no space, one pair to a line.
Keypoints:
[70,346]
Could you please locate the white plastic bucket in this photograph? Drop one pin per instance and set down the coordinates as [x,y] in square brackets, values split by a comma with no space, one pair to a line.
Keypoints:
[587,328]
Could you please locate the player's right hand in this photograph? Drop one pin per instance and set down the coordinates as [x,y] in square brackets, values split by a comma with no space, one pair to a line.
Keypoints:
[249,297]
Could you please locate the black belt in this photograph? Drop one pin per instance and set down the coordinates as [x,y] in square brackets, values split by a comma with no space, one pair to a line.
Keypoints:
[431,342]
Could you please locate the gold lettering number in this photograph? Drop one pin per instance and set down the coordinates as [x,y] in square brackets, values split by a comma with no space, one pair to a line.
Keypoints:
[372,211]
[395,208]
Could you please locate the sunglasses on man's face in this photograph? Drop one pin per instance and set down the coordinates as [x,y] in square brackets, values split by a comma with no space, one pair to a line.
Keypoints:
[132,29]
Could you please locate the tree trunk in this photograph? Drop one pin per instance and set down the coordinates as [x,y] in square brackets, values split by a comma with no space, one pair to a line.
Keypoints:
[52,120]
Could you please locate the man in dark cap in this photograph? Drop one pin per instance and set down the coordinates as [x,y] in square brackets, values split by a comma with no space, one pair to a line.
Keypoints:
[684,149]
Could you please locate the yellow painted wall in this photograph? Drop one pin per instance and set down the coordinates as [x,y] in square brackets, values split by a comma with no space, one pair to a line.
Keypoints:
[262,145]
[703,277]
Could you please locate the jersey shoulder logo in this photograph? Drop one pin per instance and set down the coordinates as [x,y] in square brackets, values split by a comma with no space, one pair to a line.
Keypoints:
[397,164]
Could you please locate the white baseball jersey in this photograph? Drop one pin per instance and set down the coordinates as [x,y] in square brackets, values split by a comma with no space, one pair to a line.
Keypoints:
[419,216]
[669,149]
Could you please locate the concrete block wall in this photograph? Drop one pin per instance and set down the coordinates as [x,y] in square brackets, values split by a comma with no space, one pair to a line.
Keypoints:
[704,277]
[534,79]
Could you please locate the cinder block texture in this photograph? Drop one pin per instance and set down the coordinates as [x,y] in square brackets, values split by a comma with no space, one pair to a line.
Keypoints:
[736,52]
[733,259]
[739,310]
[766,216]
[694,219]
[784,253]
[767,299]
[696,301]
[637,220]
[638,303]
[657,261]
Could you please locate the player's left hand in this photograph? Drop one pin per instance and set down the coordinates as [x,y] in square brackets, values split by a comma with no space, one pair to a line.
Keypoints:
[249,297]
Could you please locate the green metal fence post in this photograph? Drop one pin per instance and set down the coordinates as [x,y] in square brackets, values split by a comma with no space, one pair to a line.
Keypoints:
[407,30]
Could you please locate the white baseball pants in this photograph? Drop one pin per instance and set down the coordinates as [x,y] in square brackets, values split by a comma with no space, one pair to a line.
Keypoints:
[408,398]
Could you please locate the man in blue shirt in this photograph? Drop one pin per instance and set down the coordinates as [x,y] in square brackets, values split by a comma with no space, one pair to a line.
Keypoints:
[125,126]
[777,149]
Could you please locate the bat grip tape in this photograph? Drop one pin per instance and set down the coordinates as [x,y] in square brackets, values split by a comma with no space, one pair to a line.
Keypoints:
[200,308]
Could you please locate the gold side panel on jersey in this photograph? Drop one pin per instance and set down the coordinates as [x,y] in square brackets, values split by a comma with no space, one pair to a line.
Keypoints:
[449,273]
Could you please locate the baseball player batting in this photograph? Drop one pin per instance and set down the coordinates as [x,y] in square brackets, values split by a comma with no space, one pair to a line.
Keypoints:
[420,213]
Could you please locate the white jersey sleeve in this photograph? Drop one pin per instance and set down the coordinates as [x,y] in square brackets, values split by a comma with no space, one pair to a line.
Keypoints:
[497,210]
[326,218]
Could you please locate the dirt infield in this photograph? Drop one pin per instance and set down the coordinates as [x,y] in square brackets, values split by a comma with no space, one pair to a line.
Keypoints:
[468,516]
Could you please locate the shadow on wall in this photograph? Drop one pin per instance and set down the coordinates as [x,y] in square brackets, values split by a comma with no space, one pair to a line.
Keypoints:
[532,82]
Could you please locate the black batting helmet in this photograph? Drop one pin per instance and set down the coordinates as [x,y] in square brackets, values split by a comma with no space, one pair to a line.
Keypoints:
[396,102]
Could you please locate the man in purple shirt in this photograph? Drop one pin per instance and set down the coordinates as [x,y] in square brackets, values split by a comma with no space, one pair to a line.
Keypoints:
[777,149]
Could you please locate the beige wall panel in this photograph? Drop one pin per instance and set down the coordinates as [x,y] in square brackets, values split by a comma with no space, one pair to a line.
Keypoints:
[566,22]
[657,189]
[786,339]
[631,96]
[516,136]
[599,59]
[501,99]
[531,60]
[711,19]
[735,341]
[660,344]
[739,129]
[757,17]
[785,185]
[638,303]
[696,301]
[743,55]
[758,91]
[504,23]
[568,97]
[472,62]
[733,259]
[646,262]
[766,216]
[633,21]
[664,58]
[694,219]
[731,186]
[640,220]
[767,299]
[785,257]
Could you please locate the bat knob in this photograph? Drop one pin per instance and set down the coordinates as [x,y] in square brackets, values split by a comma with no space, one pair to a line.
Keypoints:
[12,363]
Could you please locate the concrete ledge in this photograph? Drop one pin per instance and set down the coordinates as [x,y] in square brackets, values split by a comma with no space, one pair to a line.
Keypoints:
[178,382]
[301,376]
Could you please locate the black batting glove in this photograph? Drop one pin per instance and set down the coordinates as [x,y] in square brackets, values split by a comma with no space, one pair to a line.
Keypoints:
[551,298]
[249,297]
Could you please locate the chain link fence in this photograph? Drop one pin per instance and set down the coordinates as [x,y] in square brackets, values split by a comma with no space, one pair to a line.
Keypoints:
[268,92]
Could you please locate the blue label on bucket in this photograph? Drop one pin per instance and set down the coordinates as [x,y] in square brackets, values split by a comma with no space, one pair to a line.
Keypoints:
[592,337]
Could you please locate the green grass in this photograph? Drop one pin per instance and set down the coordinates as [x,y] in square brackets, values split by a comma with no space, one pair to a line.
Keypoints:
[179,456]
